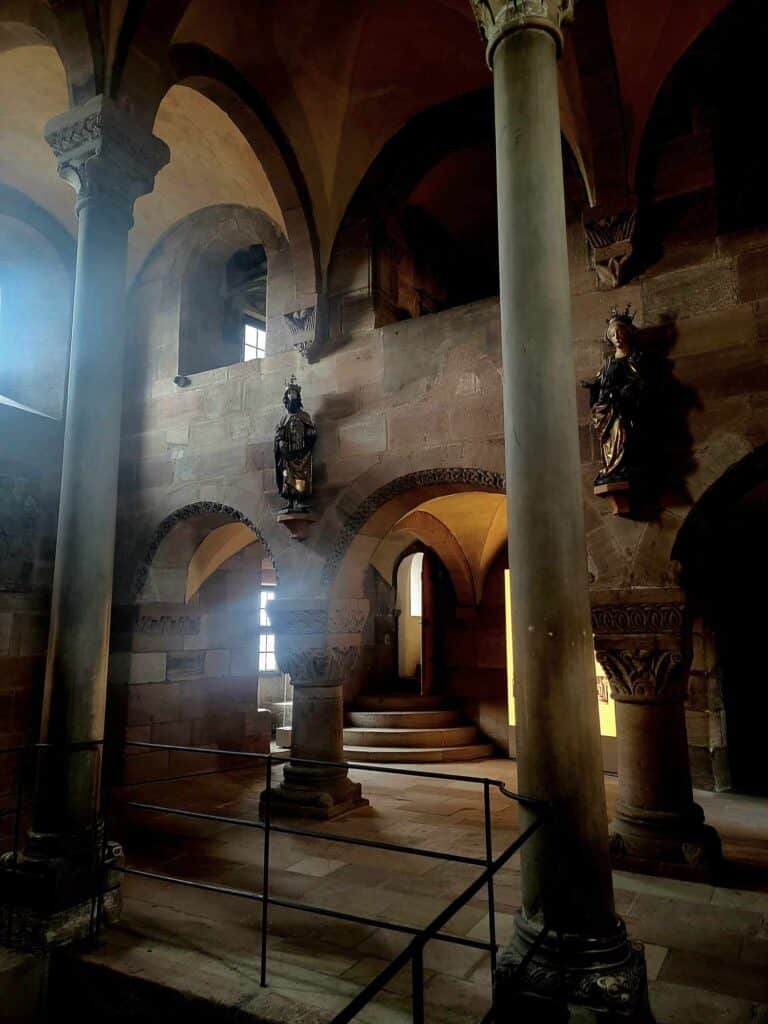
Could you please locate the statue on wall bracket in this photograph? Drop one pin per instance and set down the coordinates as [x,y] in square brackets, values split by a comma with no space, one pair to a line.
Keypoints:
[295,438]
[618,409]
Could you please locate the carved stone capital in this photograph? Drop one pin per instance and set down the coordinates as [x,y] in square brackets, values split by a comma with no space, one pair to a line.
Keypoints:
[499,18]
[644,675]
[612,241]
[642,649]
[318,642]
[105,155]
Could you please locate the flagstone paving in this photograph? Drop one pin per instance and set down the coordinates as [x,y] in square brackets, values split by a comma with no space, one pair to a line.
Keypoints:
[706,946]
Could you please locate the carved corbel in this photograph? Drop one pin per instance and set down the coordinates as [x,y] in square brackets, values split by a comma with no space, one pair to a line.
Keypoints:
[612,244]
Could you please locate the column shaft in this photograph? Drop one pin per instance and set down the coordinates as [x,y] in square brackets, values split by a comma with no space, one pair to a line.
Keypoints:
[566,870]
[78,645]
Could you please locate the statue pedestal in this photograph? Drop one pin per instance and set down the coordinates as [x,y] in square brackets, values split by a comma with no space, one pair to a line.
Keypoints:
[618,492]
[298,524]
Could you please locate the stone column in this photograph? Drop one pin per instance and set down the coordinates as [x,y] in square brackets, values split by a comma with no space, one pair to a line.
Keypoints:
[566,874]
[317,642]
[110,161]
[657,827]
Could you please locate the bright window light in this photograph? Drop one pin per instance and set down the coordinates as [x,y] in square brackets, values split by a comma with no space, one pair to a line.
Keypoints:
[267,660]
[416,567]
[254,342]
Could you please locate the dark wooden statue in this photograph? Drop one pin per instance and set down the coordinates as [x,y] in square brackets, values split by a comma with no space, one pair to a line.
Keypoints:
[295,438]
[617,403]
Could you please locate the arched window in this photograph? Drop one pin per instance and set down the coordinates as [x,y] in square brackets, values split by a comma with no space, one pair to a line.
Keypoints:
[224,307]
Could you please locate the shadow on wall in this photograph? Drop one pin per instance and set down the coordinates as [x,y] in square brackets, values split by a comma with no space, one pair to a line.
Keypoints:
[723,551]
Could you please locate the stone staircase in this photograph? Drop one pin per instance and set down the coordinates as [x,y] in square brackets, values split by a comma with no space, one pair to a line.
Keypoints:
[406,729]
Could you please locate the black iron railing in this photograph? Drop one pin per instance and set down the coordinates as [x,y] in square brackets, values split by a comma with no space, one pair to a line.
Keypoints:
[413,953]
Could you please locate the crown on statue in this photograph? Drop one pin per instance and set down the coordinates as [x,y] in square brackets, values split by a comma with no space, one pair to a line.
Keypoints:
[292,384]
[625,316]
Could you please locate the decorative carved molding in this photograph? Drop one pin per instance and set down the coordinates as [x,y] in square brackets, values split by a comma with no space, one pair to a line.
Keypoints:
[481,478]
[498,18]
[169,625]
[332,619]
[612,240]
[644,675]
[104,154]
[640,619]
[197,508]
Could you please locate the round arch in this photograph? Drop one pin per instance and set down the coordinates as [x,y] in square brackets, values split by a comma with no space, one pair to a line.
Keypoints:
[377,513]
[224,513]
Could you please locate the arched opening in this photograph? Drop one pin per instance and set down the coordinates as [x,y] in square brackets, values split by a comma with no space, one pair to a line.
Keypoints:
[35,262]
[193,660]
[429,553]
[723,553]
[698,166]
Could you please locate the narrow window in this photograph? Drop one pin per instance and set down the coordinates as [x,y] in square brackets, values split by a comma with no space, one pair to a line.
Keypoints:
[267,661]
[254,341]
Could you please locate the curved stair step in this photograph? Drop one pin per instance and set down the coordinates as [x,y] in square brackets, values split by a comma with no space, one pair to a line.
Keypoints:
[403,719]
[418,755]
[398,702]
[456,736]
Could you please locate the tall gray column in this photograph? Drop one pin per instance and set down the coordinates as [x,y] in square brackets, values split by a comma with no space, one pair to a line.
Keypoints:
[110,161]
[566,877]
[317,643]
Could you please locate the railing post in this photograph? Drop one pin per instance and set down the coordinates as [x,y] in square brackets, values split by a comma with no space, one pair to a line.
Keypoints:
[267,816]
[417,983]
[16,834]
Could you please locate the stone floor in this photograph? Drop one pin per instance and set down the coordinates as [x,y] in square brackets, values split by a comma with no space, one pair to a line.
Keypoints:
[706,947]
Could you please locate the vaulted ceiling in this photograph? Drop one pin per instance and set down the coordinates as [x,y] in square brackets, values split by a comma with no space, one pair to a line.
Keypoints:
[329,82]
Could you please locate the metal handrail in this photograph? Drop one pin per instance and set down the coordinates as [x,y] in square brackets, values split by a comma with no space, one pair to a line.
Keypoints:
[414,950]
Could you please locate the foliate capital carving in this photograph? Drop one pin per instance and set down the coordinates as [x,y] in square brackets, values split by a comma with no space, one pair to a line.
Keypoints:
[105,155]
[310,665]
[498,18]
[318,641]
[644,675]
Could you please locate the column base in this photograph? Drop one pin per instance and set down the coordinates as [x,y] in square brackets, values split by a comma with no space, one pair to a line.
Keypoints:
[592,979]
[320,793]
[39,931]
[56,891]
[665,844]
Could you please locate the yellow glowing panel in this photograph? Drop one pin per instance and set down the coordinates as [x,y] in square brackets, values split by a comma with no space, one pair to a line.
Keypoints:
[605,703]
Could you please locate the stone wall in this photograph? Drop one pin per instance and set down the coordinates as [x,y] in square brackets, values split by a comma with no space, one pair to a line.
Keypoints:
[30,457]
[424,395]
[185,673]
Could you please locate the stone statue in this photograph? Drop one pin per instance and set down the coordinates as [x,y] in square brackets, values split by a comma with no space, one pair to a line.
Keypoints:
[294,440]
[616,398]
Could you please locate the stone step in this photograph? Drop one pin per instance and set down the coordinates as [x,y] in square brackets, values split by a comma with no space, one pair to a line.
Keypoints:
[418,755]
[399,753]
[403,719]
[399,702]
[455,736]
